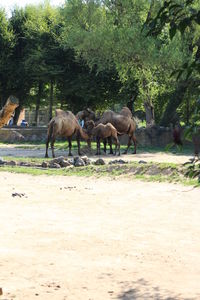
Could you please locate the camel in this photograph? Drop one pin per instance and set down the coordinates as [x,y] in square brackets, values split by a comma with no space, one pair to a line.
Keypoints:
[122,121]
[123,124]
[86,115]
[65,124]
[102,131]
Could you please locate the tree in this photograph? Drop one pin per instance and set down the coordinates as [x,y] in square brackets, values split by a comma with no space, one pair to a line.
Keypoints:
[111,35]
[6,48]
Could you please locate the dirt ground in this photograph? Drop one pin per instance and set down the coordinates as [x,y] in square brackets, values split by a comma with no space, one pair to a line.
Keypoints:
[86,238]
[12,150]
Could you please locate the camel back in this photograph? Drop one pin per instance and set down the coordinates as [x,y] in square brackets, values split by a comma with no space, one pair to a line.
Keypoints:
[126,112]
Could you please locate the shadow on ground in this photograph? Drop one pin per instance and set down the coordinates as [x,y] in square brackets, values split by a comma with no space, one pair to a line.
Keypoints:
[142,290]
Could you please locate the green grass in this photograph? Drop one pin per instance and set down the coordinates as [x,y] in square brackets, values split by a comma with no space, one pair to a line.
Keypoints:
[113,171]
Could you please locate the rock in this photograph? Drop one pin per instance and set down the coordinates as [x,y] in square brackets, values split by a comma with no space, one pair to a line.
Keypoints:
[2,161]
[65,163]
[78,162]
[142,162]
[86,160]
[99,162]
[62,161]
[118,161]
[58,160]
[54,165]
[25,164]
[44,164]
[11,163]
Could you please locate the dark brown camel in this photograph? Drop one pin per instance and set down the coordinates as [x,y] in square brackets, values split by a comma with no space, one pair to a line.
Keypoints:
[64,124]
[123,124]
[122,121]
[86,115]
[102,131]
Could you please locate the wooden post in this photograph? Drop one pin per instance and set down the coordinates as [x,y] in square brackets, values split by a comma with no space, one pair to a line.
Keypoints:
[7,111]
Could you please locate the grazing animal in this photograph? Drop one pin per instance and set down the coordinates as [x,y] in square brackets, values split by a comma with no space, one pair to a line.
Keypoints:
[102,131]
[123,124]
[122,121]
[65,124]
[86,115]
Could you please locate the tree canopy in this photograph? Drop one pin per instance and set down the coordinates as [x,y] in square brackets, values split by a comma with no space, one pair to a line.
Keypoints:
[104,54]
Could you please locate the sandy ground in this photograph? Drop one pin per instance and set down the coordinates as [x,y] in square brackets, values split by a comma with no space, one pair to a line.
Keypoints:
[98,239]
[11,150]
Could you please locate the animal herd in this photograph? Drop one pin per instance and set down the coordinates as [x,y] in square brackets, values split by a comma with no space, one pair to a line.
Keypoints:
[105,128]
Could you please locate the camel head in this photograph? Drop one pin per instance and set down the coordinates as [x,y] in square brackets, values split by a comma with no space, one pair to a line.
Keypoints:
[89,125]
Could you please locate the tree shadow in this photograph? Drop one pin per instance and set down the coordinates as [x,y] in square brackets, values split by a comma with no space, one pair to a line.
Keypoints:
[141,290]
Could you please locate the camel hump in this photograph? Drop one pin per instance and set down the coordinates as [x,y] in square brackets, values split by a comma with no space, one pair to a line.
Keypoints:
[110,125]
[125,111]
[59,112]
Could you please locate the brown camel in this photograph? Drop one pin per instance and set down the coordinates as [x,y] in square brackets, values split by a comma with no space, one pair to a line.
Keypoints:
[65,124]
[102,131]
[86,115]
[122,121]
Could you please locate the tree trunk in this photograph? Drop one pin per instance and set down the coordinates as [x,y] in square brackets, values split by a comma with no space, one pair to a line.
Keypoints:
[51,100]
[130,104]
[38,102]
[149,110]
[17,114]
[174,102]
[187,111]
[7,111]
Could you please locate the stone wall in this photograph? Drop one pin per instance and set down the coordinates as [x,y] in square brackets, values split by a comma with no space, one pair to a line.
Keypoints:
[28,134]
[154,136]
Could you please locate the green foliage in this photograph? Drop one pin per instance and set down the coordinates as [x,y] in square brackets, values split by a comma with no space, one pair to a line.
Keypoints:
[102,53]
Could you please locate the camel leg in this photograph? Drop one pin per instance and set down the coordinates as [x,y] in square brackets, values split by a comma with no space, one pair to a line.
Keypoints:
[117,146]
[70,146]
[128,146]
[105,142]
[119,149]
[47,147]
[52,146]
[78,143]
[98,146]
[110,143]
[135,143]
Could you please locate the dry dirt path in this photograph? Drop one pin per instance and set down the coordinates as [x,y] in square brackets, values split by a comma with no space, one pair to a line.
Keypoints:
[11,150]
[98,239]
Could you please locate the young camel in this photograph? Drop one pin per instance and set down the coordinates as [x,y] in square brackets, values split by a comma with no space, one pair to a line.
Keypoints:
[102,131]
[122,121]
[65,124]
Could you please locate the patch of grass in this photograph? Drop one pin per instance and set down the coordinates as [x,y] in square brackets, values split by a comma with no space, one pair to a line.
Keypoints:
[130,170]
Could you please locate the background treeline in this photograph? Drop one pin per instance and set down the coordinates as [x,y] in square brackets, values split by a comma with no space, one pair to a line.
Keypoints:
[101,54]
